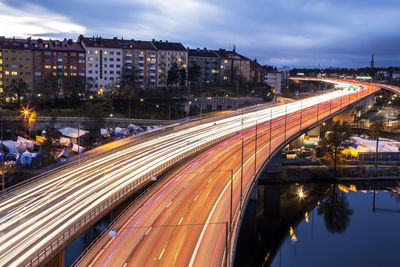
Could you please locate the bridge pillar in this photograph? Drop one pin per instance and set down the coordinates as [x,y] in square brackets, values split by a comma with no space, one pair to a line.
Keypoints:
[272,200]
[254,194]
[57,261]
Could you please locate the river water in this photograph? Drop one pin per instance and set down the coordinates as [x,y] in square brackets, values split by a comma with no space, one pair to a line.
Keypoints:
[322,225]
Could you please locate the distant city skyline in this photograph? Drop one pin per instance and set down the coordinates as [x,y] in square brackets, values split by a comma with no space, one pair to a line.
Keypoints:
[294,33]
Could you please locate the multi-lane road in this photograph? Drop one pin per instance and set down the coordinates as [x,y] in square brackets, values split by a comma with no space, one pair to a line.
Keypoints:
[36,217]
[191,218]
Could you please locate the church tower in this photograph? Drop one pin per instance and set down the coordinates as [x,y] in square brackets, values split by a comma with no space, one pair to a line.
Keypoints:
[372,61]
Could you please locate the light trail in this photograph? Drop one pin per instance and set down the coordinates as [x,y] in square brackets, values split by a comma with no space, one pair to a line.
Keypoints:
[197,201]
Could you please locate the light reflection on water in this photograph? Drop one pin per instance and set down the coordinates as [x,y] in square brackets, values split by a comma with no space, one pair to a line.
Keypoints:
[340,228]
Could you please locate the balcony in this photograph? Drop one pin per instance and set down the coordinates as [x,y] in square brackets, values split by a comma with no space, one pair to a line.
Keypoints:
[128,61]
[141,67]
[128,54]
[153,55]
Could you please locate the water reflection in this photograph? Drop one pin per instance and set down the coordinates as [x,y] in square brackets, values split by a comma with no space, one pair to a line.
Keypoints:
[283,228]
[335,210]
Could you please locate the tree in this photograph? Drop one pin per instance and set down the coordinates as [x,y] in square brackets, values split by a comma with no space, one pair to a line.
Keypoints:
[182,76]
[268,93]
[332,144]
[336,211]
[356,113]
[377,127]
[173,75]
[194,72]
[18,89]
[93,123]
[128,87]
[48,147]
[52,87]
[74,88]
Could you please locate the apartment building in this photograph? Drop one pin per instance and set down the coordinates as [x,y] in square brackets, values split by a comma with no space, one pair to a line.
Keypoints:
[273,78]
[56,58]
[104,62]
[209,64]
[234,67]
[140,58]
[168,53]
[15,62]
[256,72]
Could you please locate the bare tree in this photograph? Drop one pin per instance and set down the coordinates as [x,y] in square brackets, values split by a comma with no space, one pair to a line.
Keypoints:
[334,141]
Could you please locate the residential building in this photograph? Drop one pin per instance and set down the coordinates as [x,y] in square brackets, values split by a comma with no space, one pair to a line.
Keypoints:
[167,54]
[209,64]
[104,62]
[256,72]
[140,58]
[15,62]
[273,78]
[234,67]
[56,58]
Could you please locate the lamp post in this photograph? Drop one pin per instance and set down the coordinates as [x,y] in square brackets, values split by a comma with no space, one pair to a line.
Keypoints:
[3,185]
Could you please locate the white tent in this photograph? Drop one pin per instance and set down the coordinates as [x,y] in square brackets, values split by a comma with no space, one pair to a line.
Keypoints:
[28,144]
[105,132]
[75,148]
[65,141]
[11,145]
[72,132]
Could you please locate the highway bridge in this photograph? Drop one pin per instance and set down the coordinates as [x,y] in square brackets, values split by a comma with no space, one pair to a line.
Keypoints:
[192,217]
[40,217]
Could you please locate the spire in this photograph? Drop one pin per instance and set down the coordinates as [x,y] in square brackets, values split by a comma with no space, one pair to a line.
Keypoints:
[372,61]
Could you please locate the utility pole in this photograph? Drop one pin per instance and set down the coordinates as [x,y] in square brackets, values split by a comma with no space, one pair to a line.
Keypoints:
[78,141]
[241,179]
[270,129]
[255,152]
[230,216]
[318,108]
[3,185]
[169,108]
[301,112]
[226,244]
[285,119]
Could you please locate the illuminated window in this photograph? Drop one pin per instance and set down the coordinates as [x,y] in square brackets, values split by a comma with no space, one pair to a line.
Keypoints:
[65,74]
[225,78]
[6,73]
[225,61]
[105,52]
[214,71]
[96,52]
[54,67]
[73,74]
[90,59]
[47,67]
[14,73]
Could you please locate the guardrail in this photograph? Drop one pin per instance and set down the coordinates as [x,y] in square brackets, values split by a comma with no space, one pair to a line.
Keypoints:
[239,212]
[58,241]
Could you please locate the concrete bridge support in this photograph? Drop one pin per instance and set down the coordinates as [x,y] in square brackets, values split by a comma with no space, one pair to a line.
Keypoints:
[57,261]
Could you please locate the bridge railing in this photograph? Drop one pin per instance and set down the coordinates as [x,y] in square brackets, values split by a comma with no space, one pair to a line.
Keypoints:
[335,106]
[54,244]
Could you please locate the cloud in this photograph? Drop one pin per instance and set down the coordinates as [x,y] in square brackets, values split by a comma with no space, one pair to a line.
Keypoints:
[291,32]
[33,20]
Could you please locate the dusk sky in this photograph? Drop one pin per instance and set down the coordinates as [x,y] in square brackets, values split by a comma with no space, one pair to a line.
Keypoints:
[295,33]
